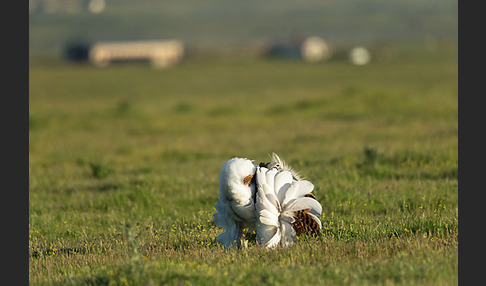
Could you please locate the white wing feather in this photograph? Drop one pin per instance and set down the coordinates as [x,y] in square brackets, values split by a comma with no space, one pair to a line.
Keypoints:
[269,176]
[304,203]
[314,217]
[269,218]
[283,180]
[297,190]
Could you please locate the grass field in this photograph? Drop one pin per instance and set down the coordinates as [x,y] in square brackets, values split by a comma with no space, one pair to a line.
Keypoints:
[124,164]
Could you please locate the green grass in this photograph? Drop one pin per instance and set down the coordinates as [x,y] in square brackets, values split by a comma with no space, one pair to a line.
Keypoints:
[124,164]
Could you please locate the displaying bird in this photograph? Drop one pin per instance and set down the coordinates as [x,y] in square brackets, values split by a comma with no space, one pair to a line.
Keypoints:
[271,199]
[236,203]
[284,208]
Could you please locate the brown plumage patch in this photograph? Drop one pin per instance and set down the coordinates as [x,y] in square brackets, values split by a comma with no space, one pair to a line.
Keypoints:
[247,179]
[304,223]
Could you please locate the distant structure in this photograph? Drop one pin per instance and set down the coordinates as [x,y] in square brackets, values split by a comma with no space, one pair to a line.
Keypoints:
[311,49]
[315,49]
[359,56]
[66,6]
[96,6]
[160,54]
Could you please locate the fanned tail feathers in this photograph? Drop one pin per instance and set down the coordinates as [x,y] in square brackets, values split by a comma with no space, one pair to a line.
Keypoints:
[285,208]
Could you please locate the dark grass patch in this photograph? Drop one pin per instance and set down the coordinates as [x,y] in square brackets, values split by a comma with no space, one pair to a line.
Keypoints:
[183,108]
[405,166]
[36,123]
[101,170]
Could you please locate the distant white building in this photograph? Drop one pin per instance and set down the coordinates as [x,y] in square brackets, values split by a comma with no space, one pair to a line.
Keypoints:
[315,49]
[160,53]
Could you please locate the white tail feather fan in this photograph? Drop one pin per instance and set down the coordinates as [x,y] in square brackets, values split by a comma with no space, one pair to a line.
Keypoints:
[278,198]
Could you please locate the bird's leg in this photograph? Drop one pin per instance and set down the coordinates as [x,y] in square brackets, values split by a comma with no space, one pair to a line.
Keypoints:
[242,235]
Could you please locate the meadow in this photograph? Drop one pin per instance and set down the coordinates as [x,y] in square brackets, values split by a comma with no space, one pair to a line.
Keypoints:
[124,164]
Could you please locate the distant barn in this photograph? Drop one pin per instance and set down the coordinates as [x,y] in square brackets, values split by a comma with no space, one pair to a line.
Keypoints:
[311,49]
[160,53]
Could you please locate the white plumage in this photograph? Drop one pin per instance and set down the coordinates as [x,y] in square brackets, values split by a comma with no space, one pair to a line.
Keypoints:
[270,199]
[235,206]
[278,200]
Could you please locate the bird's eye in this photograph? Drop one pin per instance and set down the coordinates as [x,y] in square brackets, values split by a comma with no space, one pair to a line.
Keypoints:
[247,179]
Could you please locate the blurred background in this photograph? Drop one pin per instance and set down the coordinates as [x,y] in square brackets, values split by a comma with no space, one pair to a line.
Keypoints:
[219,27]
[175,75]
[221,62]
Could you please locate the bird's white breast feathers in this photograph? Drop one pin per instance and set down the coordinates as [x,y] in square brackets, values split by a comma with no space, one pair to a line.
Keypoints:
[237,196]
[235,206]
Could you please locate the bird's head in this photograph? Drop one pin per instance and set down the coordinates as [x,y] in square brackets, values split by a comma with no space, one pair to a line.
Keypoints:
[236,179]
